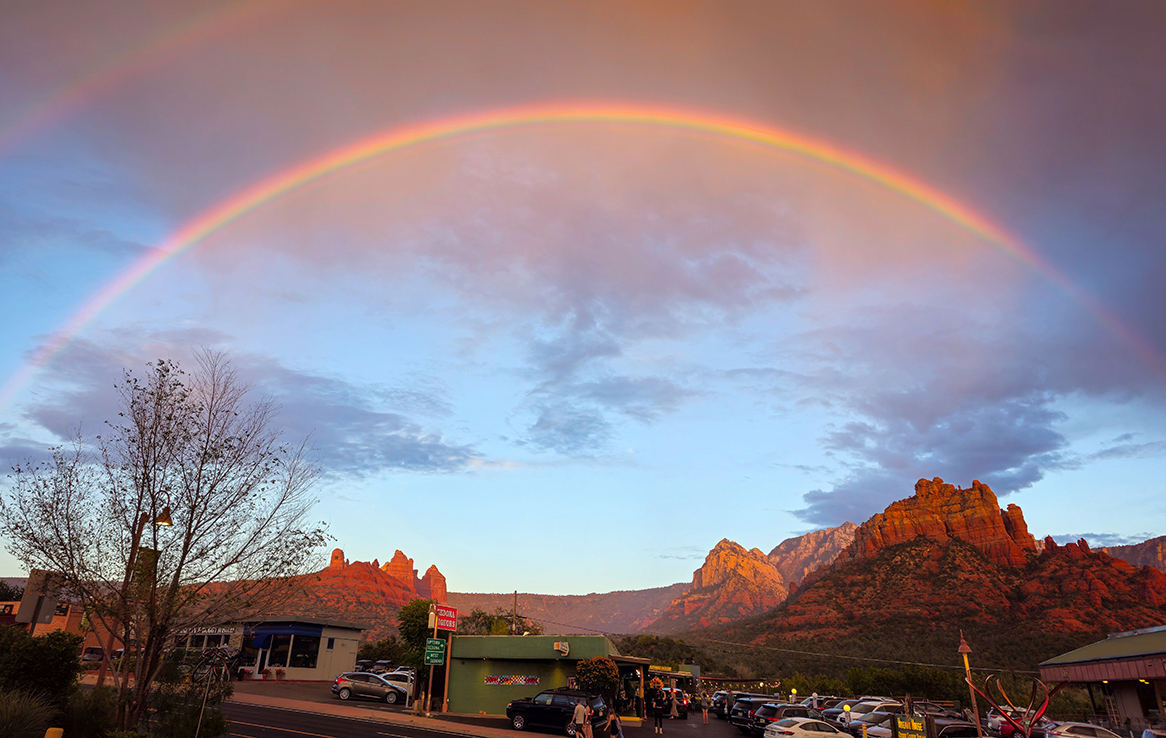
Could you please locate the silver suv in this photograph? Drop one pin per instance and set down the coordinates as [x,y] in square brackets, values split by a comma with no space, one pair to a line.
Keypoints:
[369,686]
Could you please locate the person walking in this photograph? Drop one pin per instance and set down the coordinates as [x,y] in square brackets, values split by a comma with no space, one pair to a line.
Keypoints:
[658,708]
[614,727]
[588,713]
[673,702]
[704,706]
[579,718]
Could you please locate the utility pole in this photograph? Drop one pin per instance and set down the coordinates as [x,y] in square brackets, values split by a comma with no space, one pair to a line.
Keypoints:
[964,650]
[433,622]
[514,616]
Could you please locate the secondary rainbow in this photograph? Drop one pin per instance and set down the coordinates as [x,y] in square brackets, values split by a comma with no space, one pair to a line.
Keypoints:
[396,139]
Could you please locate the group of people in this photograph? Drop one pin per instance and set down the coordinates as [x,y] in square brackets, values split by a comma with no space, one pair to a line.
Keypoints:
[662,703]
[582,719]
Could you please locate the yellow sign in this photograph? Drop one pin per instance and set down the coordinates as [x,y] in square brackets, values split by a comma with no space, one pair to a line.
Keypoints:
[909,726]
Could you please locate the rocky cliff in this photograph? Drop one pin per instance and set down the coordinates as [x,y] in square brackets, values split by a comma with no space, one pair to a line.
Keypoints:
[946,560]
[794,558]
[1147,553]
[733,583]
[940,512]
[363,592]
[609,612]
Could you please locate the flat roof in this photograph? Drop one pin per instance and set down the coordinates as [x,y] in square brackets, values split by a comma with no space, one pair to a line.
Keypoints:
[1131,644]
[531,647]
[309,621]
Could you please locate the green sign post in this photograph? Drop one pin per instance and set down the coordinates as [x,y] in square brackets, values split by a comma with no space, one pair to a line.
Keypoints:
[434,652]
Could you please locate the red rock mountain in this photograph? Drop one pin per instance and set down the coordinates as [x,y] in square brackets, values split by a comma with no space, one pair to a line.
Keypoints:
[941,511]
[1147,553]
[364,592]
[949,559]
[733,583]
[797,557]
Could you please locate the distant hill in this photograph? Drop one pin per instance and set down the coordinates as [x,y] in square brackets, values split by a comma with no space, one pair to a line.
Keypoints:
[610,612]
[1147,553]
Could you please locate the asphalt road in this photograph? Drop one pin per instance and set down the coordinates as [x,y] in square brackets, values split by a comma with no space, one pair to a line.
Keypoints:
[256,721]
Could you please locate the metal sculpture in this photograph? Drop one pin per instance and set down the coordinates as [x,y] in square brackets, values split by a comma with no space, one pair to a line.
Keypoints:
[1025,724]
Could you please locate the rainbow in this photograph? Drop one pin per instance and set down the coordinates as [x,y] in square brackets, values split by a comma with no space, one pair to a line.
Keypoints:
[396,139]
[142,57]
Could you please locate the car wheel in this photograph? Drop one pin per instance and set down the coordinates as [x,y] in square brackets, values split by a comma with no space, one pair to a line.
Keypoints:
[518,722]
[391,697]
[344,693]
[571,733]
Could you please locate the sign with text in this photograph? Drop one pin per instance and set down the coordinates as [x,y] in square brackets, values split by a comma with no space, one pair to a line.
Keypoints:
[436,645]
[909,726]
[446,617]
[434,658]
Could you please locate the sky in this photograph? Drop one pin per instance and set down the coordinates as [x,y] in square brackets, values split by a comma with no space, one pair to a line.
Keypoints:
[570,354]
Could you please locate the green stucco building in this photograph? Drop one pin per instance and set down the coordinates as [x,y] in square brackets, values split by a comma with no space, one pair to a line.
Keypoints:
[487,672]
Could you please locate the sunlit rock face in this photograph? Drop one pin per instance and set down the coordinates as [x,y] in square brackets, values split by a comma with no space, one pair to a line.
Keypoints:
[942,511]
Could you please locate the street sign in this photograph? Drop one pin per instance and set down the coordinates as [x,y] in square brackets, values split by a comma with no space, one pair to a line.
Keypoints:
[434,645]
[446,617]
[434,658]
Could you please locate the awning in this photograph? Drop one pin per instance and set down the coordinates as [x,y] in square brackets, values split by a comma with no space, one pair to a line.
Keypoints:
[261,634]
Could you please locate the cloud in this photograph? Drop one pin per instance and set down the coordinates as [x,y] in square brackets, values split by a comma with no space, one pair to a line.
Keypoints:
[354,427]
[1148,450]
[1098,540]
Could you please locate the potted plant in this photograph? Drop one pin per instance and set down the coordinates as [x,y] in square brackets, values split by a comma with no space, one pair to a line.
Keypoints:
[265,672]
[279,674]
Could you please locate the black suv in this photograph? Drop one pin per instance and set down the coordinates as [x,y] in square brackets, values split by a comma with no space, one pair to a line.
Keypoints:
[554,708]
[723,701]
[744,709]
[771,712]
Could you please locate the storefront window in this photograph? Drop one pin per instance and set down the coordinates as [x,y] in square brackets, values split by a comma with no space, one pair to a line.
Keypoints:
[196,641]
[305,650]
[280,645]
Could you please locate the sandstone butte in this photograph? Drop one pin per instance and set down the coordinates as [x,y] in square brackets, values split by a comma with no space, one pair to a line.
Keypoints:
[735,582]
[941,511]
[948,559]
[365,592]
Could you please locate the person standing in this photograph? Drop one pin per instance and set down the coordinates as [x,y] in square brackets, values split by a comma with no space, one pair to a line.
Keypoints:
[704,706]
[658,708]
[673,703]
[587,715]
[579,718]
[614,728]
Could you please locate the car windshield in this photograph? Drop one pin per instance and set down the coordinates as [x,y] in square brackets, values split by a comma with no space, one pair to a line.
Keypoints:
[873,718]
[787,723]
[864,708]
[766,711]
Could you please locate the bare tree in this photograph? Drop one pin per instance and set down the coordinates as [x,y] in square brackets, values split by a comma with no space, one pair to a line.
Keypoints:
[229,505]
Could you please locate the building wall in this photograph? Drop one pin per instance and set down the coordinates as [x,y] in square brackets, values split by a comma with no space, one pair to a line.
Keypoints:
[469,693]
[341,658]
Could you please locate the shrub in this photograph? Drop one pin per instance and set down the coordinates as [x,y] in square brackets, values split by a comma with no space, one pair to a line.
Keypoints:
[46,665]
[90,713]
[176,703]
[24,715]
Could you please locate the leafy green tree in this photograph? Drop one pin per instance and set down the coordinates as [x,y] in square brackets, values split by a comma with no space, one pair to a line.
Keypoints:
[9,593]
[599,675]
[386,649]
[499,622]
[47,665]
[413,625]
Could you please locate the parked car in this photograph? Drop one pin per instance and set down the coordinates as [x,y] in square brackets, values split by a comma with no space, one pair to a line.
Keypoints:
[772,712]
[681,701]
[92,653]
[1078,730]
[401,678]
[878,725]
[950,728]
[720,708]
[833,715]
[1039,730]
[824,701]
[744,710]
[554,708]
[924,708]
[863,708]
[800,728]
[367,686]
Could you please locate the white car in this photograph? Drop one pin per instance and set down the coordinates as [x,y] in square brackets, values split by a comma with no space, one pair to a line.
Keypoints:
[1078,730]
[801,728]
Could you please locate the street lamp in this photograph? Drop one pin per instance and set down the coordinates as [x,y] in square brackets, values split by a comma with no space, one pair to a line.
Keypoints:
[163,520]
[964,650]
